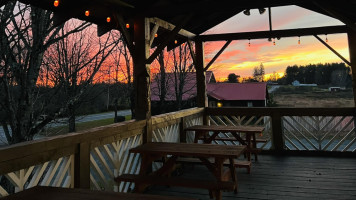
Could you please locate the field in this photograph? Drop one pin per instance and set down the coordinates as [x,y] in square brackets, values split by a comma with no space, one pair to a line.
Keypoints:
[289,96]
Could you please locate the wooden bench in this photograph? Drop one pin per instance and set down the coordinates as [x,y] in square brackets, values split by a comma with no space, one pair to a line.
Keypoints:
[238,163]
[142,181]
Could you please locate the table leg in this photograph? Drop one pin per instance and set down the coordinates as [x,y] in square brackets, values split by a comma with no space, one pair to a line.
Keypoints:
[219,163]
[248,141]
[233,173]
[254,145]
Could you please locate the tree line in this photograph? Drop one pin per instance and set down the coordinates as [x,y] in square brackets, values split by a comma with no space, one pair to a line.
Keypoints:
[336,74]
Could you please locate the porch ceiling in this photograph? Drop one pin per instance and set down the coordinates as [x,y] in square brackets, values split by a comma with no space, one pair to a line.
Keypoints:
[205,13]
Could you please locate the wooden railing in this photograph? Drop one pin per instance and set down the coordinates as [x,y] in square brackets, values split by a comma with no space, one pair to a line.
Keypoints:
[92,158]
[88,159]
[308,129]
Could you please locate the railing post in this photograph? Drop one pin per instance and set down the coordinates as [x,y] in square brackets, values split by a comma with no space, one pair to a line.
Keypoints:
[277,134]
[82,166]
[182,133]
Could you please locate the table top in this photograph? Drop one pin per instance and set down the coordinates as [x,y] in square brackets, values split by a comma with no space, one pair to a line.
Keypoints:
[55,193]
[190,149]
[242,129]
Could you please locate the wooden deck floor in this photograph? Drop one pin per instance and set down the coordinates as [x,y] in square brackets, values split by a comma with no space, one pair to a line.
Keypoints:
[276,177]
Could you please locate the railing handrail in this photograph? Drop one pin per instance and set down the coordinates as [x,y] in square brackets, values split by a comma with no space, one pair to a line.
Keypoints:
[269,111]
[19,156]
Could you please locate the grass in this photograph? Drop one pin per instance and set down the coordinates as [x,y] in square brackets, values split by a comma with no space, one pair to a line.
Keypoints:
[80,126]
[289,96]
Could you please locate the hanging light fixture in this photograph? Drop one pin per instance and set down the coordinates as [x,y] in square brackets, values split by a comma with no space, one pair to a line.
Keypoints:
[298,39]
[56,3]
[247,12]
[87,13]
[108,19]
[262,10]
[127,25]
[326,38]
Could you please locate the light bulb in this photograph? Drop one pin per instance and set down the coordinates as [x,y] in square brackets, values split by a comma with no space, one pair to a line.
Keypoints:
[56,3]
[87,13]
[108,19]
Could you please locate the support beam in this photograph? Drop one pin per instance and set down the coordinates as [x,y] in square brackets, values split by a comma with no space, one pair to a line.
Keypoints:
[192,53]
[170,27]
[333,50]
[102,29]
[153,33]
[352,49]
[202,100]
[168,39]
[60,18]
[218,54]
[142,89]
[275,33]
[329,9]
[126,35]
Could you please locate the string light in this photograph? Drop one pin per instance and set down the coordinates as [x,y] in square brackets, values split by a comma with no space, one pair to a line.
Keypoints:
[175,41]
[299,40]
[87,13]
[249,43]
[108,19]
[127,25]
[326,39]
[156,35]
[56,3]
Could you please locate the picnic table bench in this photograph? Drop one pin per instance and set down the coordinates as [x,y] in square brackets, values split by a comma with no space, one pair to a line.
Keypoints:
[202,133]
[152,151]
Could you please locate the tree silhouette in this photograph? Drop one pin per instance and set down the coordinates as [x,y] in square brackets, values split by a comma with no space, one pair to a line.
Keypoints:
[232,78]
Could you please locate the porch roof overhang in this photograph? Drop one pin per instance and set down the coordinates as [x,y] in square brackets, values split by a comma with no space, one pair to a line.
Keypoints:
[204,14]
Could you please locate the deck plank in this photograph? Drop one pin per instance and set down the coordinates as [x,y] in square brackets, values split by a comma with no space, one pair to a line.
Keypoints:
[279,177]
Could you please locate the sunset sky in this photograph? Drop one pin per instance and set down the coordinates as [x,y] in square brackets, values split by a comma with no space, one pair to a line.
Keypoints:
[240,59]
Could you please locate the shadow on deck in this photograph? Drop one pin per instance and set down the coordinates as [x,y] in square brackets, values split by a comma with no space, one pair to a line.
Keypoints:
[281,177]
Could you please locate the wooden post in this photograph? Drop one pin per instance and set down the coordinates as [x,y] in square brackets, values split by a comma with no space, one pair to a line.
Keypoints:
[352,50]
[351,35]
[82,166]
[141,70]
[202,100]
[277,133]
[182,133]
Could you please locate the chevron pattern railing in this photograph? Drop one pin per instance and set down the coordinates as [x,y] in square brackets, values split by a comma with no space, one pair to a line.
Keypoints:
[110,160]
[336,133]
[56,173]
[305,129]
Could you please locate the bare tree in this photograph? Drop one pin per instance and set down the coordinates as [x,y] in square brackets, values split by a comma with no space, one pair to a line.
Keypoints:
[73,62]
[123,66]
[182,65]
[25,34]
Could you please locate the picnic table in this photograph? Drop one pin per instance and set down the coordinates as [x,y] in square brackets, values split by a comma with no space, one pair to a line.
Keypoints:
[172,151]
[202,133]
[56,193]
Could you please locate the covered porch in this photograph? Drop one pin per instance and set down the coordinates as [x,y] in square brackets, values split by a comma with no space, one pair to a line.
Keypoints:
[300,158]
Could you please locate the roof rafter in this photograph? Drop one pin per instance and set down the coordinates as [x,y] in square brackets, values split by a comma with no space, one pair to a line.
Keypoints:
[275,33]
[333,50]
[170,27]
[169,37]
[340,16]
